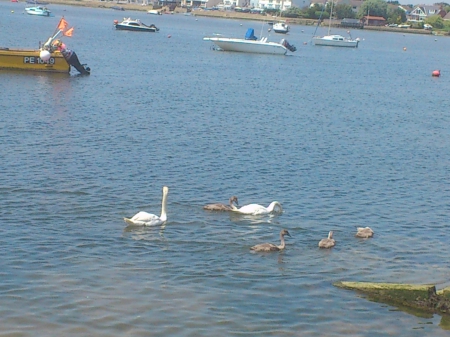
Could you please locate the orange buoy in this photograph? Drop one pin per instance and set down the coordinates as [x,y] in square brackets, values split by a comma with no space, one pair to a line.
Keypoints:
[116,22]
[436,73]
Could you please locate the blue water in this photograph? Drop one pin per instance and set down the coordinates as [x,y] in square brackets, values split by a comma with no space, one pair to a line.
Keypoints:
[340,137]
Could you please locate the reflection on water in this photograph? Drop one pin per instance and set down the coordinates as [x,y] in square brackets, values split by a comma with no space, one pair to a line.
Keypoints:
[253,219]
[144,232]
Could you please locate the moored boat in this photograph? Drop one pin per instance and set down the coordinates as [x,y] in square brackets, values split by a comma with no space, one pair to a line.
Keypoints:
[39,10]
[53,56]
[134,25]
[29,59]
[335,41]
[250,44]
[281,28]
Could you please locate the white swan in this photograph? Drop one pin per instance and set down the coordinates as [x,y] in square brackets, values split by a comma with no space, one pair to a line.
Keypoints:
[222,207]
[328,242]
[147,219]
[255,209]
[270,247]
[364,232]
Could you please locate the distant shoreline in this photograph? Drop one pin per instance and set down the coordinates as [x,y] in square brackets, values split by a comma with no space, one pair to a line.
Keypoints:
[222,15]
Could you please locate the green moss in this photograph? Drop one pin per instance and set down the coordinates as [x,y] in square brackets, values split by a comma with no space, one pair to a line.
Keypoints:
[422,297]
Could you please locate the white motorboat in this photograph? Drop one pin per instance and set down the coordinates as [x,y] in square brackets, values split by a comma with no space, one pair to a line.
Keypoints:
[154,12]
[335,41]
[280,27]
[134,25]
[41,11]
[250,44]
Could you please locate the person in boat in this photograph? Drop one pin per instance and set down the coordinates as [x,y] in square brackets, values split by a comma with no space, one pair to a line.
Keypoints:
[71,57]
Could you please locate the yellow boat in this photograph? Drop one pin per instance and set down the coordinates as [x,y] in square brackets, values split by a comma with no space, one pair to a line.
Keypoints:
[29,59]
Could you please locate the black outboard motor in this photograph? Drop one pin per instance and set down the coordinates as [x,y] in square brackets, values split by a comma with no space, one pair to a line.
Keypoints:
[288,46]
[74,62]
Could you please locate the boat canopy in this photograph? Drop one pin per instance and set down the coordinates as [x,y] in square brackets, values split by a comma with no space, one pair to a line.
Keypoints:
[250,35]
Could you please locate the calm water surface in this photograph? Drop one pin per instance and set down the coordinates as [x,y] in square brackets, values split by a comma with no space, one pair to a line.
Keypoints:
[340,137]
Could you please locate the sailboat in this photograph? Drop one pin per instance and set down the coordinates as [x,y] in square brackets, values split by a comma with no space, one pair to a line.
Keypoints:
[334,40]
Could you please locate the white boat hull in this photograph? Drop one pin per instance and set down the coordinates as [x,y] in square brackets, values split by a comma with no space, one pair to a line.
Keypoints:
[331,41]
[37,11]
[281,28]
[248,46]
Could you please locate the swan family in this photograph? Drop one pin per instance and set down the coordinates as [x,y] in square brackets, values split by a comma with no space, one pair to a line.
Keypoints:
[146,219]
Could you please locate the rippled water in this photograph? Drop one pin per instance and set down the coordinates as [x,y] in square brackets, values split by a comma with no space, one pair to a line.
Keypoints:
[342,138]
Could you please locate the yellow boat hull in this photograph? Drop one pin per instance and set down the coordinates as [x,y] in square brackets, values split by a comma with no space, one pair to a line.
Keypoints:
[28,59]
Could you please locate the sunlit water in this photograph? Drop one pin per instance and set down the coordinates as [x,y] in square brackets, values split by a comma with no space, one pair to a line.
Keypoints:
[340,137]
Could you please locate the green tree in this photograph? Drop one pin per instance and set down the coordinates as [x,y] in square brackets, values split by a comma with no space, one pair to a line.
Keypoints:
[436,21]
[374,8]
[396,15]
[315,11]
[293,12]
[344,11]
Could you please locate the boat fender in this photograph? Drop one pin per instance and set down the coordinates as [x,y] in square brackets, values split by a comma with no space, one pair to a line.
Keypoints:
[116,22]
[44,55]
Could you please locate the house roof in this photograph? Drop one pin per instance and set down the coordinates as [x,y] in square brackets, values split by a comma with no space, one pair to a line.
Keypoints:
[370,17]
[427,8]
[406,8]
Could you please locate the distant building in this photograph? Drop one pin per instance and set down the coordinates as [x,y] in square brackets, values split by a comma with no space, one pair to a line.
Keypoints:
[351,23]
[275,4]
[421,12]
[300,3]
[370,20]
[196,3]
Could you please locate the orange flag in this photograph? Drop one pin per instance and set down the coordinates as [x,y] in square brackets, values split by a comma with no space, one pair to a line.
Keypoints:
[62,24]
[69,32]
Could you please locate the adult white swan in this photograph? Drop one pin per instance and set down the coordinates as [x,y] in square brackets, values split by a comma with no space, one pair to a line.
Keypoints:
[222,207]
[255,209]
[147,219]
[270,247]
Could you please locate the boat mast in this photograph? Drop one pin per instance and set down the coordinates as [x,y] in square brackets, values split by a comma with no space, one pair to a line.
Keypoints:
[331,15]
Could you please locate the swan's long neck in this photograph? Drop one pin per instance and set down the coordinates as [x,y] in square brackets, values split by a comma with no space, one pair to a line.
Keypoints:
[273,205]
[163,216]
[283,244]
[330,235]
